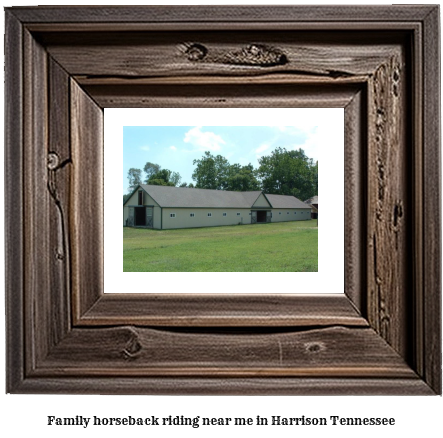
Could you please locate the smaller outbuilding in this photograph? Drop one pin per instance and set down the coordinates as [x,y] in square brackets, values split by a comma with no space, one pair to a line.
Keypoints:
[313,202]
[164,207]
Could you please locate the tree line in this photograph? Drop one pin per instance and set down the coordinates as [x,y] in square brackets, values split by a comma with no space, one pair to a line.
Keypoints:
[283,172]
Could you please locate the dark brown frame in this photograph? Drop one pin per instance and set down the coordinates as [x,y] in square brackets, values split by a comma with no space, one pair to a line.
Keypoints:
[64,65]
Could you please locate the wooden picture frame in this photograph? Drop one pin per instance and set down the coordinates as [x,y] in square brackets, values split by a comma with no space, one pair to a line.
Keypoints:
[65,64]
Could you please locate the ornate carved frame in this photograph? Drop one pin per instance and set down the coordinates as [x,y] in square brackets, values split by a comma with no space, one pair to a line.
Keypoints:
[64,65]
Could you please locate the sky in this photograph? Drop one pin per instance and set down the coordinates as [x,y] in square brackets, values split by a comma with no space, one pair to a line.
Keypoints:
[176,147]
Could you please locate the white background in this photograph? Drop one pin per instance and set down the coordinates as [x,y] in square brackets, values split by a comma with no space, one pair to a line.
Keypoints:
[22,415]
[331,192]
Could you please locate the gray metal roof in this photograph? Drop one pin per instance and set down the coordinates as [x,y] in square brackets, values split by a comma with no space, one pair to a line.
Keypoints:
[167,196]
[283,201]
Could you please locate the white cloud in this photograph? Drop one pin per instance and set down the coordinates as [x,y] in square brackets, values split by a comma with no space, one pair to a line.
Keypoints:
[144,148]
[262,148]
[173,148]
[204,141]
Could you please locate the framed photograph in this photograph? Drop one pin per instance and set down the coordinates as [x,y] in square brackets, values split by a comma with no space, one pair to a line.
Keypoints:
[288,249]
[65,65]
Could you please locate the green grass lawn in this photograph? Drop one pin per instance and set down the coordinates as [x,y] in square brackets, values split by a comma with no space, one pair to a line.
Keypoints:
[274,247]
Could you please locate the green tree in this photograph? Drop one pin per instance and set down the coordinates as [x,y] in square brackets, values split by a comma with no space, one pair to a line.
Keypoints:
[161,178]
[211,172]
[314,171]
[289,173]
[175,178]
[215,172]
[135,178]
[242,178]
[150,169]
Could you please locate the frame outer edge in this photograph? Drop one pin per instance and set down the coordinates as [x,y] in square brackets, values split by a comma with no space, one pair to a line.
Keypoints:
[227,386]
[432,202]
[14,243]
[14,237]
[220,13]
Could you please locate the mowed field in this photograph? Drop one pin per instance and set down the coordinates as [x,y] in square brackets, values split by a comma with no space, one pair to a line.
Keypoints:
[273,247]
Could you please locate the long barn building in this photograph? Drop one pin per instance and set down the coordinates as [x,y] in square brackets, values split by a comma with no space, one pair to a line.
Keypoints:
[163,207]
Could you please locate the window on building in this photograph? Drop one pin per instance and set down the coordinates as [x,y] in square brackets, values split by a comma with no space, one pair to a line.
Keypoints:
[295,212]
[140,197]
[238,214]
[209,214]
[279,212]
[287,212]
[171,214]
[224,214]
[192,214]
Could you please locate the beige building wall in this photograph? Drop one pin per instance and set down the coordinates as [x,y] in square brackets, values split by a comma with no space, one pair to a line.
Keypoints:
[261,202]
[183,218]
[157,218]
[290,214]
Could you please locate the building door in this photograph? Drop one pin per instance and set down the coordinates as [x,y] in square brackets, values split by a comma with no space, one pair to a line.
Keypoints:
[149,217]
[261,216]
[254,217]
[268,216]
[140,217]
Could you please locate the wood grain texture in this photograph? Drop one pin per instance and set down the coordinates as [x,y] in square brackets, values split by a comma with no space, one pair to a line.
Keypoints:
[251,310]
[222,96]
[63,65]
[37,305]
[166,54]
[431,321]
[59,168]
[355,187]
[417,244]
[288,386]
[223,14]
[129,351]
[86,220]
[14,239]
[388,204]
